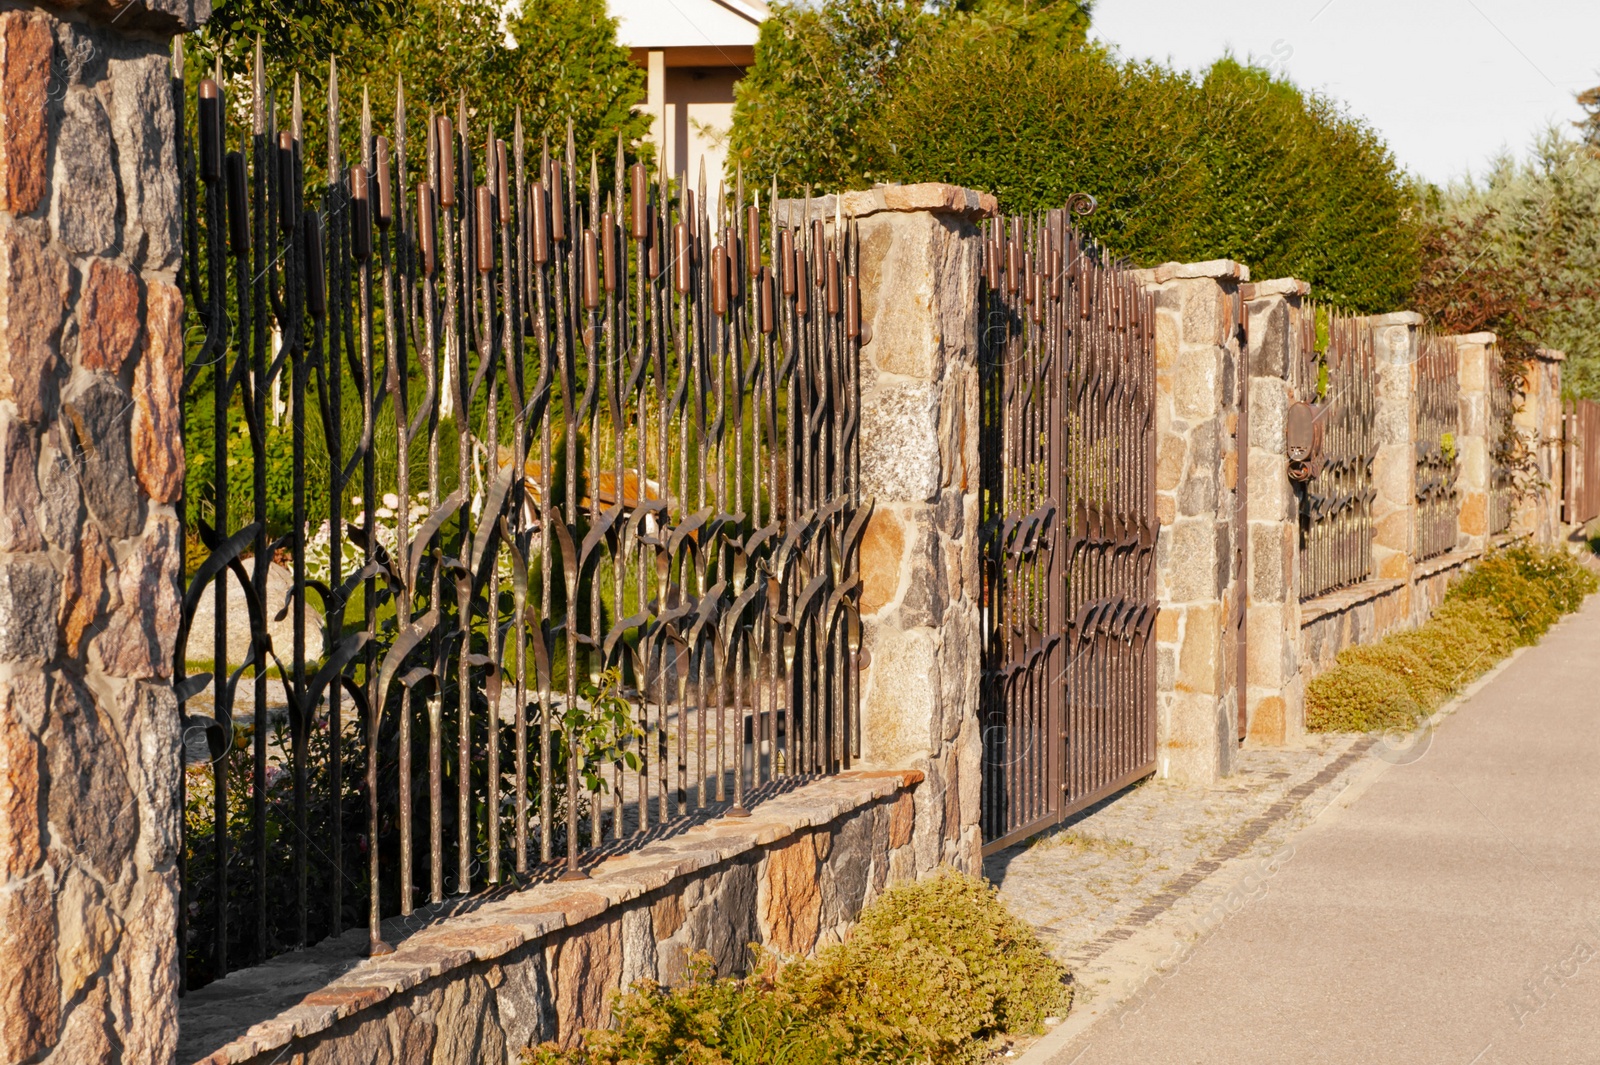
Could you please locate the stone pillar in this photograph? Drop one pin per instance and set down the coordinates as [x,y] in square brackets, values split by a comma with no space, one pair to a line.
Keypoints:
[1198,387]
[1275,688]
[1396,342]
[1538,421]
[920,261]
[91,364]
[1474,440]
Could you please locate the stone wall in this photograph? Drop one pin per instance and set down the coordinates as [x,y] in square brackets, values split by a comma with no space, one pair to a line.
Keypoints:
[920,260]
[1538,421]
[544,963]
[1199,576]
[91,362]
[1275,686]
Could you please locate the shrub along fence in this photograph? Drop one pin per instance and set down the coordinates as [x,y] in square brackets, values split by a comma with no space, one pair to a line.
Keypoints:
[573,513]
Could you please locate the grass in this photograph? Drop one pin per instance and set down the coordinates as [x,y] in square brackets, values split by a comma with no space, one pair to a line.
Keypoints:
[1509,600]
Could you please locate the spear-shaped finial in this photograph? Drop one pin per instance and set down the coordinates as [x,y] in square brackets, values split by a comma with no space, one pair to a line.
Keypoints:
[259,113]
[333,119]
[177,57]
[298,116]
[366,129]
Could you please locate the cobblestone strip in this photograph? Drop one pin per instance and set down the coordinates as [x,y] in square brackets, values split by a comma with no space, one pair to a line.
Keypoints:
[1236,846]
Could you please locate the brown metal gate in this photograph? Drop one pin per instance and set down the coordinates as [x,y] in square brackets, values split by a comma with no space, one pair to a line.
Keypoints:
[1068,466]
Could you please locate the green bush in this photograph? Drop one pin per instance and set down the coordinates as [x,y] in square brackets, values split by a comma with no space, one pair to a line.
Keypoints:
[934,970]
[1533,588]
[1358,697]
[937,966]
[1007,96]
[1510,599]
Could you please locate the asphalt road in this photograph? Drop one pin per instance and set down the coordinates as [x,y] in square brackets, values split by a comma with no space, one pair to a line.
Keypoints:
[1450,915]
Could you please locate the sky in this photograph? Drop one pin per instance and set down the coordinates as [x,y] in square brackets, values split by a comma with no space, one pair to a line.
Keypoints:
[1448,83]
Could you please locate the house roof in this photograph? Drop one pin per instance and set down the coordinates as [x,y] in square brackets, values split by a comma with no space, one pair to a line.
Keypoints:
[660,25]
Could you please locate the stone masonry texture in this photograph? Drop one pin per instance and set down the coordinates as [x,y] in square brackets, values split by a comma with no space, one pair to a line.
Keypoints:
[91,358]
[1200,380]
[543,963]
[920,251]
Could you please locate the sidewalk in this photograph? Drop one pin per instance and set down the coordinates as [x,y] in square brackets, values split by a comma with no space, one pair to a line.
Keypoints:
[1445,909]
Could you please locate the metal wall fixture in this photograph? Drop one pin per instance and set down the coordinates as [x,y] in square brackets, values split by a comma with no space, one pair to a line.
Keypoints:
[1438,406]
[1068,524]
[1333,370]
[571,523]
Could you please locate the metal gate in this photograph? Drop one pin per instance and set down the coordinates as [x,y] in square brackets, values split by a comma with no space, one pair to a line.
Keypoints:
[1068,468]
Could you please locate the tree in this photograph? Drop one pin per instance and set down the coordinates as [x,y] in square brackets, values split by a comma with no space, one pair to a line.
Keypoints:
[1518,253]
[555,59]
[1589,100]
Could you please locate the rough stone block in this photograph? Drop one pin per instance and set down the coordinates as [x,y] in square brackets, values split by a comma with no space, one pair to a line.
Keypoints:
[90,804]
[143,125]
[1198,656]
[100,417]
[21,848]
[19,488]
[88,930]
[882,554]
[1197,380]
[588,966]
[902,705]
[1192,564]
[26,44]
[108,317]
[157,444]
[900,443]
[30,988]
[87,589]
[33,298]
[29,592]
[790,894]
[83,209]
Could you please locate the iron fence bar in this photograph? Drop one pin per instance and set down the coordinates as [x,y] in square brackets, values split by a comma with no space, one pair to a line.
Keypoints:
[639,520]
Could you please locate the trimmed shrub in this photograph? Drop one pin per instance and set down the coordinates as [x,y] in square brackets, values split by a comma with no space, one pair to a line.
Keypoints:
[1358,697]
[936,967]
[934,970]
[1510,599]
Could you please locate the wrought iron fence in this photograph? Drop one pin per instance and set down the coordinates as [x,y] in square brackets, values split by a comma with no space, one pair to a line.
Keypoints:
[1506,447]
[1580,456]
[1334,369]
[1438,422]
[535,481]
[1069,525]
